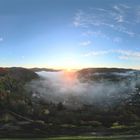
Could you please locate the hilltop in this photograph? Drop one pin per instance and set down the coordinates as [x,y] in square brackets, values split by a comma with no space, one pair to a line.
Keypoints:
[43,69]
[18,73]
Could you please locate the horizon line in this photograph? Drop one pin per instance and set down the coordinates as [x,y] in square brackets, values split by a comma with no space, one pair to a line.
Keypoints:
[61,68]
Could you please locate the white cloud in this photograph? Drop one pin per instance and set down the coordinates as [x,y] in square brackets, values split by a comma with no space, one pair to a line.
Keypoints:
[1,39]
[79,21]
[116,19]
[97,34]
[120,18]
[124,57]
[129,54]
[122,54]
[118,8]
[23,57]
[117,40]
[85,43]
[125,6]
[96,53]
[88,33]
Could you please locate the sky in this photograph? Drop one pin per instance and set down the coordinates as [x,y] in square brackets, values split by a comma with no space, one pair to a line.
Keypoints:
[70,33]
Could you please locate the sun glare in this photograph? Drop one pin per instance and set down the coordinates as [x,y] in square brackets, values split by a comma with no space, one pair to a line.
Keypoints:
[68,70]
[69,77]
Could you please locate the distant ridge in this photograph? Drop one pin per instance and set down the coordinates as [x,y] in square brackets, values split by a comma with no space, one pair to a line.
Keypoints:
[43,69]
[104,70]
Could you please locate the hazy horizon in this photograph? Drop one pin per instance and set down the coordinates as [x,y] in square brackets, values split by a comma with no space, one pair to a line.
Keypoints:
[68,69]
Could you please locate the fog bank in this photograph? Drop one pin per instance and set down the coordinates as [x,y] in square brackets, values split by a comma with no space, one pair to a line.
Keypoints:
[65,87]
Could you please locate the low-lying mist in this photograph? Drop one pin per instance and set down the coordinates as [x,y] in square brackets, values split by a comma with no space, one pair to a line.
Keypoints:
[67,88]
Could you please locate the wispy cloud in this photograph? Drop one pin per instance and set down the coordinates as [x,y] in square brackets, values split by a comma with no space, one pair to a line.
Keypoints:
[97,53]
[100,34]
[97,33]
[117,39]
[1,39]
[22,56]
[116,18]
[125,6]
[122,54]
[119,8]
[79,21]
[120,18]
[129,54]
[85,43]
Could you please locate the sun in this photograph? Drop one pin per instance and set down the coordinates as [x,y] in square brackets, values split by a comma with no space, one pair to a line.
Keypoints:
[69,76]
[68,70]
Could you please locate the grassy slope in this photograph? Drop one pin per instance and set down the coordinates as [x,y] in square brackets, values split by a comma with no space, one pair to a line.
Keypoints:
[128,137]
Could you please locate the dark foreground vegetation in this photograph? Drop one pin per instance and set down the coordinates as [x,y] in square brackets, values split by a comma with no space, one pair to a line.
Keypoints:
[23,116]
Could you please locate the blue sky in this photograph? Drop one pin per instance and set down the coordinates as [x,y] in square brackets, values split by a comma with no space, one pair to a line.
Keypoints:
[70,33]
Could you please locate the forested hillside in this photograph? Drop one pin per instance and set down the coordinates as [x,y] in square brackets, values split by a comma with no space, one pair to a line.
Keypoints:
[21,114]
